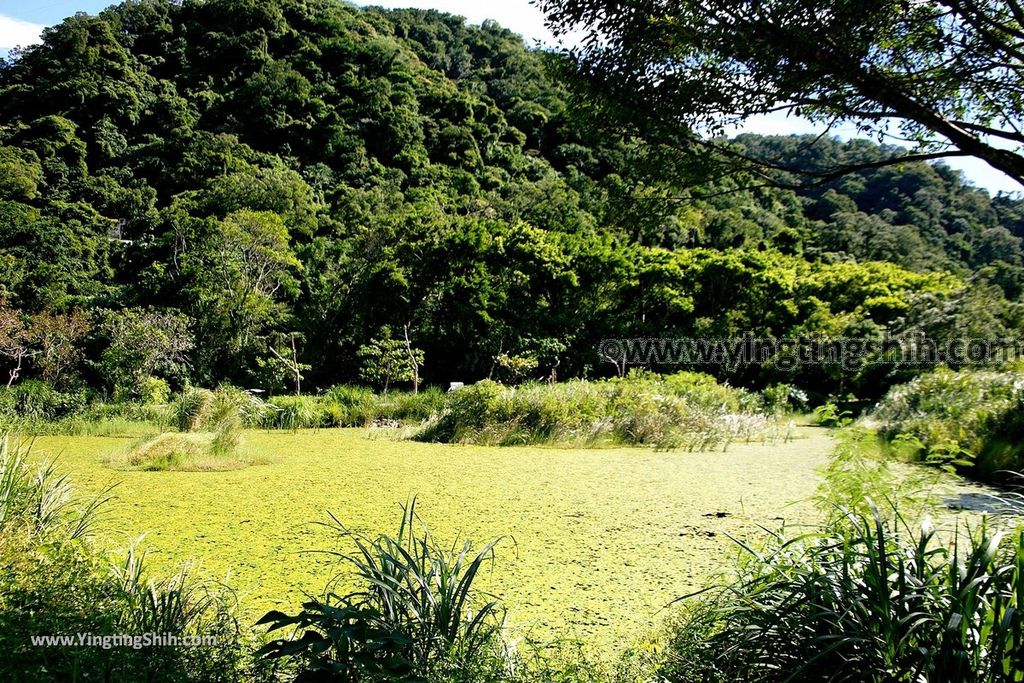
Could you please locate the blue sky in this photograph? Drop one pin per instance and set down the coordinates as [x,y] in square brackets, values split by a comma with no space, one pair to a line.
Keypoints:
[21,22]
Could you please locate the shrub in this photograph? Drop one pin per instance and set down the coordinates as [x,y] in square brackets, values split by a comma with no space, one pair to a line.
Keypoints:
[783,398]
[829,414]
[154,391]
[700,389]
[349,406]
[37,400]
[471,409]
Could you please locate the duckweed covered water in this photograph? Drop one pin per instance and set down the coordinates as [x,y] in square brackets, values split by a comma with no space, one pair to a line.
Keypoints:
[597,542]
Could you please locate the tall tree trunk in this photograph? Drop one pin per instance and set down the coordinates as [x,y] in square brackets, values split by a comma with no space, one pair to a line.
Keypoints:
[296,368]
[412,360]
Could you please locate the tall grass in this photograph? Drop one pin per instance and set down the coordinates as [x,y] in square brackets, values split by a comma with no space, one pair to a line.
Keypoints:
[686,410]
[94,419]
[38,501]
[970,420]
[862,476]
[185,606]
[864,599]
[193,409]
[416,616]
[348,406]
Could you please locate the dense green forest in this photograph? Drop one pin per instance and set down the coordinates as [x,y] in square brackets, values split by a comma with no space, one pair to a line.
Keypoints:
[241,191]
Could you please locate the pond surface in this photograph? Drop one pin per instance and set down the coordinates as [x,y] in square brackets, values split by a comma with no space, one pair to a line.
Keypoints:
[595,542]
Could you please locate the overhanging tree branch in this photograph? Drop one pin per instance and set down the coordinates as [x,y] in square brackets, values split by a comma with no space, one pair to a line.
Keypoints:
[946,74]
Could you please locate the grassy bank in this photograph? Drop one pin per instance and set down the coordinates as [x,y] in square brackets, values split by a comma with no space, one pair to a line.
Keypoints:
[685,410]
[971,421]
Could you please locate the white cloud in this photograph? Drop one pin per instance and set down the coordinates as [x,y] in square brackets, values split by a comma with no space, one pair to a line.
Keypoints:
[15,32]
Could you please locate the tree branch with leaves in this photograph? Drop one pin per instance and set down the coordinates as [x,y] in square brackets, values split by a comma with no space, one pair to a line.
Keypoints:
[941,76]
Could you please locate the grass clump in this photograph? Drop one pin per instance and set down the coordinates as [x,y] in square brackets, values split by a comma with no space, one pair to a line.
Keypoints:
[971,420]
[193,409]
[167,451]
[866,598]
[686,410]
[299,412]
[417,616]
[209,439]
[173,451]
[187,452]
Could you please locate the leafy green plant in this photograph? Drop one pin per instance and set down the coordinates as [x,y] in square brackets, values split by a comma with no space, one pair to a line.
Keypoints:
[828,414]
[865,599]
[154,391]
[386,360]
[416,614]
[783,398]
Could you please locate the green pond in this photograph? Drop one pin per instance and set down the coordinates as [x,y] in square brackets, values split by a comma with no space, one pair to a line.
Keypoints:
[595,542]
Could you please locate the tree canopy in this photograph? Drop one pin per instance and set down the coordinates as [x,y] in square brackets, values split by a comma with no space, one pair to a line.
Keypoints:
[287,179]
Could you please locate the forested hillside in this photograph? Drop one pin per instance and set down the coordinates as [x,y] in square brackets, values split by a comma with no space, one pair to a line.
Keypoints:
[208,191]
